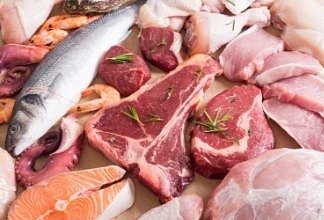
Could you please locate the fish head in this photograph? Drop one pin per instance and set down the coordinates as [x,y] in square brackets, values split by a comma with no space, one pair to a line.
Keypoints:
[27,120]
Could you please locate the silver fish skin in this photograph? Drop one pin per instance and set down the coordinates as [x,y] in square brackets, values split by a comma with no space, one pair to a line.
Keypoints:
[57,83]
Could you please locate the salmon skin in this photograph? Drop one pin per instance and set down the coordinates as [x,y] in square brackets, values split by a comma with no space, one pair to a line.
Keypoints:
[94,6]
[56,84]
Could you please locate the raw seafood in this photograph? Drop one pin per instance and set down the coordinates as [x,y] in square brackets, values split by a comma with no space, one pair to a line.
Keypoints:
[57,83]
[98,193]
[124,70]
[208,32]
[166,13]
[161,47]
[20,19]
[7,182]
[213,6]
[302,23]
[232,129]
[15,66]
[306,91]
[108,96]
[6,107]
[151,122]
[286,64]
[306,127]
[56,28]
[64,147]
[241,59]
[187,207]
[94,6]
[279,184]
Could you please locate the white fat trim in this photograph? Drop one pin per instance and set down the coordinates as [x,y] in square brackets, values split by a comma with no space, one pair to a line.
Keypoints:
[169,210]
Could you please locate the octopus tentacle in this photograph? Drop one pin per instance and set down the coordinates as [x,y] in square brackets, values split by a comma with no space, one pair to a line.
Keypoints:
[13,80]
[67,145]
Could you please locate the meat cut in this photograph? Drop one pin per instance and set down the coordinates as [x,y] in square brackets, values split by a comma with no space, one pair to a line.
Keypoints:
[232,129]
[306,127]
[187,207]
[124,70]
[145,132]
[241,59]
[279,184]
[305,91]
[208,32]
[286,64]
[161,47]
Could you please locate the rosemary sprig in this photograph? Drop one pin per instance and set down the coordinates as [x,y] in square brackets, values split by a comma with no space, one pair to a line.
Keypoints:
[169,92]
[154,49]
[122,58]
[231,2]
[216,124]
[232,23]
[132,114]
[154,118]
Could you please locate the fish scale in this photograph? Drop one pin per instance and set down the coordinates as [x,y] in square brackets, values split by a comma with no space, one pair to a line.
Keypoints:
[57,83]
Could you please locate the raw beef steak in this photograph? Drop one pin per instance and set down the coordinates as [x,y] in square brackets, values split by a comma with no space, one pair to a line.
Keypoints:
[232,129]
[161,47]
[145,132]
[280,184]
[306,127]
[124,70]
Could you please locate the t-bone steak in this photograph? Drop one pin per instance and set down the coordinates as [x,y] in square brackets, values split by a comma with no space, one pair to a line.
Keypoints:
[144,133]
[232,129]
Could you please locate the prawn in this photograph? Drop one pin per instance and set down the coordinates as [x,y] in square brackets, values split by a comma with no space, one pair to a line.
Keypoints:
[6,107]
[108,96]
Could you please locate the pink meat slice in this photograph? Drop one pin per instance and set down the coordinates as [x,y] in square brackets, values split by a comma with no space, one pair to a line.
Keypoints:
[153,147]
[305,91]
[246,136]
[186,207]
[279,184]
[306,127]
[241,58]
[286,64]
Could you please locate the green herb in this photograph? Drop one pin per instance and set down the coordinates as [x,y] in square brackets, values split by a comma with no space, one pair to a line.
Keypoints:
[216,124]
[132,114]
[232,23]
[154,49]
[154,118]
[231,2]
[122,58]
[169,92]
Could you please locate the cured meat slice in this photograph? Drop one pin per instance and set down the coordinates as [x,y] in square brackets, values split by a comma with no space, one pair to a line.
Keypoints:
[306,127]
[145,132]
[286,64]
[232,129]
[124,70]
[305,91]
[241,58]
[279,184]
[187,207]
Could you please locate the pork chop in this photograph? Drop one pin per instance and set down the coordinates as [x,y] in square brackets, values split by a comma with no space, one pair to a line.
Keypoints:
[240,131]
[145,132]
[279,184]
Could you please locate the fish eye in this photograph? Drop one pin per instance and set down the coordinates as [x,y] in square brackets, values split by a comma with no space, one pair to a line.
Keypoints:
[32,99]
[14,128]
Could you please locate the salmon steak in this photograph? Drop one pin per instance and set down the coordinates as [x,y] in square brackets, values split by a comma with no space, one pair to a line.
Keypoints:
[99,193]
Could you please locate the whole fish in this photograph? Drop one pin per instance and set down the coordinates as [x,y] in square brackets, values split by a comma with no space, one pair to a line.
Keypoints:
[56,84]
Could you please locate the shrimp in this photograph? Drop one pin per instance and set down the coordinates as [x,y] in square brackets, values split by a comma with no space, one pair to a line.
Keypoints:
[6,107]
[108,96]
[48,39]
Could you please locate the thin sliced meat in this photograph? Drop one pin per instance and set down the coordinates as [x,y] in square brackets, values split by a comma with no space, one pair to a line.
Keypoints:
[286,64]
[207,32]
[306,91]
[306,127]
[282,184]
[241,58]
[187,207]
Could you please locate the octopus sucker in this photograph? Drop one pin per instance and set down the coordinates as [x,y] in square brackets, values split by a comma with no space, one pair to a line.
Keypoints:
[63,147]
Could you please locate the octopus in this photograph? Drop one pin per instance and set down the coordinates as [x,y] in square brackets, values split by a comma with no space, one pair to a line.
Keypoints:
[63,147]
[16,65]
